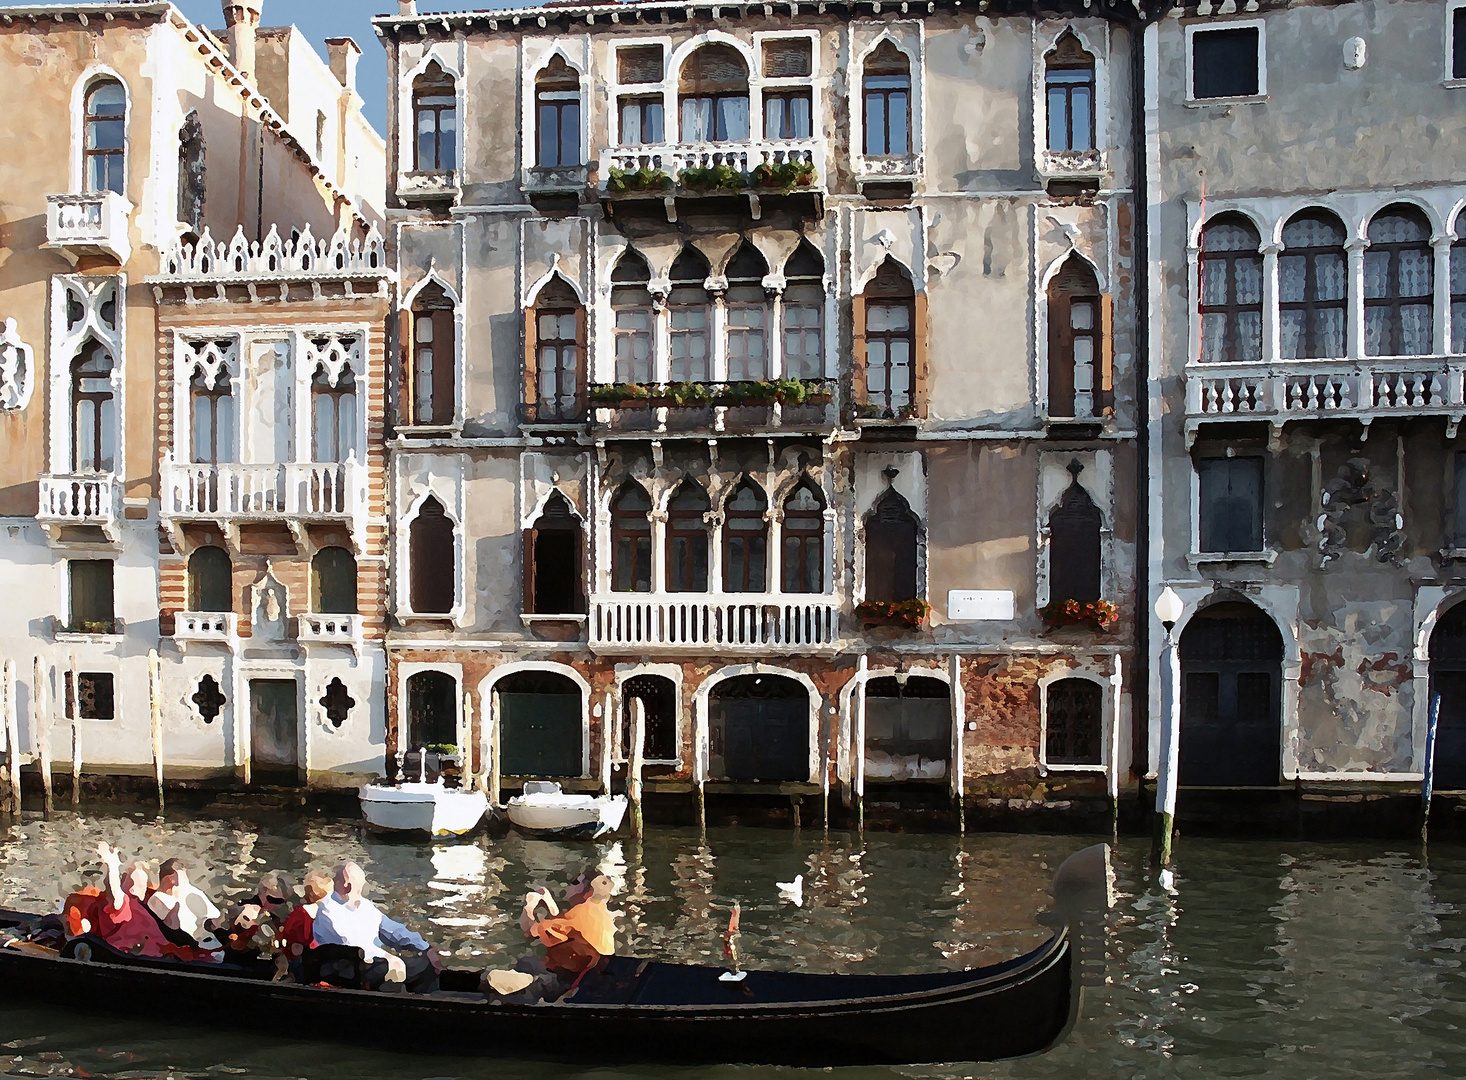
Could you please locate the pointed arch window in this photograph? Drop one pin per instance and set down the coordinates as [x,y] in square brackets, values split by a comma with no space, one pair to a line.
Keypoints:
[211,401]
[887,102]
[713,95]
[435,120]
[432,560]
[1458,270]
[687,539]
[1075,526]
[891,549]
[333,414]
[803,536]
[631,306]
[1313,287]
[105,150]
[689,315]
[748,316]
[210,580]
[554,559]
[1399,284]
[1080,377]
[1069,90]
[431,378]
[557,115]
[555,360]
[333,582]
[94,410]
[631,540]
[191,174]
[889,338]
[804,313]
[1231,291]
[746,539]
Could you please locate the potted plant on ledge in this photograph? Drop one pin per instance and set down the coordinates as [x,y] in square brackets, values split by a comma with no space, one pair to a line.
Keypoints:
[906,614]
[1095,614]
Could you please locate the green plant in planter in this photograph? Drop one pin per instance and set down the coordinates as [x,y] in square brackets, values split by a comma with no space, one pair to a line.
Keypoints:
[688,393]
[757,392]
[909,614]
[614,393]
[442,748]
[712,178]
[94,626]
[791,391]
[786,175]
[621,181]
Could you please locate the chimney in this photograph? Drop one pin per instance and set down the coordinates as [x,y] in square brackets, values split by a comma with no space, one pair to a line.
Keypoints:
[344,55]
[242,18]
[406,8]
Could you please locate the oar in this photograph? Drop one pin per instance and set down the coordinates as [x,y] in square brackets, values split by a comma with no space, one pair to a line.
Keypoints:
[730,947]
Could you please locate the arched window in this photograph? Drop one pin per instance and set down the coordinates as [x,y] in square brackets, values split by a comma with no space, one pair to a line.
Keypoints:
[211,399]
[748,316]
[1074,722]
[431,559]
[1069,86]
[908,728]
[890,549]
[658,696]
[631,304]
[333,415]
[887,102]
[804,313]
[556,350]
[191,174]
[94,410]
[1075,341]
[210,580]
[1231,291]
[687,539]
[557,114]
[333,582]
[631,540]
[554,582]
[689,314]
[106,137]
[713,95]
[745,539]
[431,382]
[803,535]
[432,710]
[889,338]
[1313,287]
[1074,544]
[1458,271]
[1399,284]
[435,118]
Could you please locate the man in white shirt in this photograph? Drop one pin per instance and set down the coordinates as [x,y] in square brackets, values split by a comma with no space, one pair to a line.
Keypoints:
[181,905]
[347,918]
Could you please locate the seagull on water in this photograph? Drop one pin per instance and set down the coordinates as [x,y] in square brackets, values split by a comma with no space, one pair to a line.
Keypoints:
[792,891]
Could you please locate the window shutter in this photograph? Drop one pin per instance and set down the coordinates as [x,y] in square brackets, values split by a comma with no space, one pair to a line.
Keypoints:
[582,368]
[445,367]
[529,598]
[1061,355]
[857,350]
[918,356]
[1105,377]
[531,368]
[405,366]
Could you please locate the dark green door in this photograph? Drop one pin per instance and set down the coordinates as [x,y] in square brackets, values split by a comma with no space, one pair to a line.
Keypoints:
[759,729]
[542,733]
[274,725]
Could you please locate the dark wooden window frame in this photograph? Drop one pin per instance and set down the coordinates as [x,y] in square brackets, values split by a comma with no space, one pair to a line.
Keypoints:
[752,538]
[1225,263]
[890,513]
[432,574]
[1202,529]
[688,525]
[329,592]
[1310,305]
[1068,58]
[1067,288]
[435,95]
[95,403]
[786,96]
[556,304]
[877,299]
[879,81]
[808,545]
[557,99]
[631,540]
[211,397]
[434,306]
[557,518]
[202,585]
[332,397]
[1394,302]
[109,156]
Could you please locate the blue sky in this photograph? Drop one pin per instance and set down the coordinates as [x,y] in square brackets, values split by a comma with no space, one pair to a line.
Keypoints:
[320,19]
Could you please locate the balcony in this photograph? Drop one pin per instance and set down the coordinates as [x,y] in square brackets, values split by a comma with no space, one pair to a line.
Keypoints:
[205,628]
[1083,167]
[1362,390]
[755,171]
[93,223]
[78,499]
[741,623]
[414,188]
[292,491]
[789,406]
[329,630]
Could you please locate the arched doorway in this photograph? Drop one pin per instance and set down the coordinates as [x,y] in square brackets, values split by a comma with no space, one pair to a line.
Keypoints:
[541,728]
[908,728]
[1448,679]
[1231,697]
[758,729]
[432,710]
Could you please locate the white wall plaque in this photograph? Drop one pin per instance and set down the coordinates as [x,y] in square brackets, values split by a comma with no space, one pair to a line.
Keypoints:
[980,605]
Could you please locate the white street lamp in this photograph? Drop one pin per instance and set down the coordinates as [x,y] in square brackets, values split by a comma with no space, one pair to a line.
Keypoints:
[1168,610]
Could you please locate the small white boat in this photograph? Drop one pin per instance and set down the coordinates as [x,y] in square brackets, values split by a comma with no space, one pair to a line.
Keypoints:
[545,810]
[422,807]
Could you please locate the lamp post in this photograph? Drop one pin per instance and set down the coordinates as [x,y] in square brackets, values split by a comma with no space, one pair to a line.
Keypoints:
[1168,609]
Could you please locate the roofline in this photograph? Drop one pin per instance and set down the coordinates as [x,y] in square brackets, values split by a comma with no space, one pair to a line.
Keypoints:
[84,13]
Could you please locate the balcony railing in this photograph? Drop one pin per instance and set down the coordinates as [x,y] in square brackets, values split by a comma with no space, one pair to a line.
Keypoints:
[265,492]
[748,622]
[91,223]
[208,627]
[78,499]
[661,166]
[1322,389]
[329,629]
[1073,164]
[430,186]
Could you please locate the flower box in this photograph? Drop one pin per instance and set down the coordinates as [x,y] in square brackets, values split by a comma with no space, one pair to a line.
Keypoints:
[1096,614]
[908,614]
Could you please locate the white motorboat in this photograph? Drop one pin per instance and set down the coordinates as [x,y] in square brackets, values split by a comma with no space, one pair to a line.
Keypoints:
[545,810]
[423,807]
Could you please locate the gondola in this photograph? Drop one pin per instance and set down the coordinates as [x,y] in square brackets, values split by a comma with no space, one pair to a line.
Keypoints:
[635,1011]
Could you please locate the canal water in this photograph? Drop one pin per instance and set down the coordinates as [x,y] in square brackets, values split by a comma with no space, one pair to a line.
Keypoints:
[1266,959]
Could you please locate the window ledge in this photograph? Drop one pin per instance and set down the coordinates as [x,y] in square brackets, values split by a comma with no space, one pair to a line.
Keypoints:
[1201,103]
[531,619]
[71,637]
[1453,84]
[1098,769]
[1265,558]
[1454,554]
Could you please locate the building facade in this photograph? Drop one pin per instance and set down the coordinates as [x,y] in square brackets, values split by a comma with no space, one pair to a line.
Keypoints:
[774,369]
[1307,331]
[195,300]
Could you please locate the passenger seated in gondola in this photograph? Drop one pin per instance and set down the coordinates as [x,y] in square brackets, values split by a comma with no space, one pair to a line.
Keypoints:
[577,943]
[254,922]
[298,933]
[183,909]
[123,920]
[348,919]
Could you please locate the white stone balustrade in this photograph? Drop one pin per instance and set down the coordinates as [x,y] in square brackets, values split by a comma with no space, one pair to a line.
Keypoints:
[329,629]
[239,259]
[205,626]
[744,622]
[90,223]
[305,490]
[1079,164]
[78,499]
[672,158]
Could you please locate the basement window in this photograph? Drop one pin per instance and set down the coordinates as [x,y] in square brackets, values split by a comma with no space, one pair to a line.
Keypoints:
[1226,63]
[94,695]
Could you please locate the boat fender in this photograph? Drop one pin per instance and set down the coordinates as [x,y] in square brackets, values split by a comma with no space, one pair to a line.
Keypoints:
[733,976]
[82,952]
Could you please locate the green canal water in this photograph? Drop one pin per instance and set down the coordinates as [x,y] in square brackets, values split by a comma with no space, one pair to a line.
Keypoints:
[1269,959]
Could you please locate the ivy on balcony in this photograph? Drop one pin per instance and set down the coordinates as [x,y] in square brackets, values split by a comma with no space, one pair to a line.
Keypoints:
[698,394]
